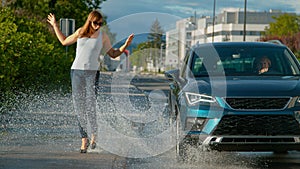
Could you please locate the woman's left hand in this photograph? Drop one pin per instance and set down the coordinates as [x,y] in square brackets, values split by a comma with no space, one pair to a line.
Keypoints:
[129,39]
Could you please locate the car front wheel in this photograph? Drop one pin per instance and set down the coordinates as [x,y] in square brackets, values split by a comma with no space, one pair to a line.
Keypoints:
[181,144]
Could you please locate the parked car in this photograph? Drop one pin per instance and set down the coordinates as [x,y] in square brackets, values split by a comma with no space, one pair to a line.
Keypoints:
[222,98]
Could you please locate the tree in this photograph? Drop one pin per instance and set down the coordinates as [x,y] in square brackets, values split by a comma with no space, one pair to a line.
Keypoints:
[75,9]
[149,51]
[286,29]
[94,4]
[285,25]
[156,40]
[29,54]
[156,34]
[139,55]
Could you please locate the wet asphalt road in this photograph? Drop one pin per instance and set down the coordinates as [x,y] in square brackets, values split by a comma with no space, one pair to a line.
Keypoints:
[41,132]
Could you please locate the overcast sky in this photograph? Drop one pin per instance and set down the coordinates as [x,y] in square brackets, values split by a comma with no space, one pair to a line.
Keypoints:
[125,16]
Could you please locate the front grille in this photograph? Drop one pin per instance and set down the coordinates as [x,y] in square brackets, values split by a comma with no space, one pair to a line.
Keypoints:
[257,103]
[264,125]
[257,140]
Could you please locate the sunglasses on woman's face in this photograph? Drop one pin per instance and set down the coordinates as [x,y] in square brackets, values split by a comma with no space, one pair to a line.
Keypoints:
[97,23]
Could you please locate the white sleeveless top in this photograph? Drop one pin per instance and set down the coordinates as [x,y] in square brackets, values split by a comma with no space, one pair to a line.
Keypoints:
[88,53]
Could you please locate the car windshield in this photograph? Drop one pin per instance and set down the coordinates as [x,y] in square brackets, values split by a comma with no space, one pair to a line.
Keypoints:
[243,61]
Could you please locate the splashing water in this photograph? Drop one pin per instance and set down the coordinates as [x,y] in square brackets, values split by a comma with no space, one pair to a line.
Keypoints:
[38,119]
[47,121]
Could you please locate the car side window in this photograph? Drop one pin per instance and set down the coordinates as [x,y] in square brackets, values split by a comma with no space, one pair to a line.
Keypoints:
[197,66]
[292,67]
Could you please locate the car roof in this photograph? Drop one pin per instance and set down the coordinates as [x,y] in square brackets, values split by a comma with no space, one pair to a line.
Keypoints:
[238,44]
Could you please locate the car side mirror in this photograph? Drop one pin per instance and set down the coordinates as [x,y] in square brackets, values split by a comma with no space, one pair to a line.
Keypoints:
[172,75]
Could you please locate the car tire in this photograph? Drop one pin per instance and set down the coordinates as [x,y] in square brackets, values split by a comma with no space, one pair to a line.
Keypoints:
[171,114]
[181,144]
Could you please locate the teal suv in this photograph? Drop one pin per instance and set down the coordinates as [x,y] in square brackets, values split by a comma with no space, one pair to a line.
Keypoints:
[236,96]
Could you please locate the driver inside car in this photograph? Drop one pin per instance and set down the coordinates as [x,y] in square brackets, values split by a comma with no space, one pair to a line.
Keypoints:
[263,65]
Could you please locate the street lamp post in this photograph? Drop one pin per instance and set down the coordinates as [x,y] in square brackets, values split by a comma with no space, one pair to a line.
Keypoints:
[213,26]
[245,22]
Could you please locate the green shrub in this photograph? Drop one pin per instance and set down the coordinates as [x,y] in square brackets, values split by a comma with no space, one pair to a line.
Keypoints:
[30,56]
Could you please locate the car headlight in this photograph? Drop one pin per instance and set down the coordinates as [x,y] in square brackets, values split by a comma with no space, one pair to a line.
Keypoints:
[194,98]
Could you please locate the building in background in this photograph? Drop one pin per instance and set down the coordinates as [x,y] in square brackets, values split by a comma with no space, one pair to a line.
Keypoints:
[171,50]
[229,26]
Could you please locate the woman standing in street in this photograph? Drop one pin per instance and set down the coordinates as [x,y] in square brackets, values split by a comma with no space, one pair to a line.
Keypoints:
[90,41]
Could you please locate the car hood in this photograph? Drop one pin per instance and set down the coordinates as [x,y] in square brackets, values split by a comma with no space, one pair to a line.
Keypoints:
[247,86]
